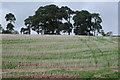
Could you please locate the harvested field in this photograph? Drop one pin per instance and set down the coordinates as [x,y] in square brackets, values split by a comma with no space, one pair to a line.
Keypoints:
[59,56]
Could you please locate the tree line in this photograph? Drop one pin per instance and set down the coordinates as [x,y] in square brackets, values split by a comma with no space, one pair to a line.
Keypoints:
[51,19]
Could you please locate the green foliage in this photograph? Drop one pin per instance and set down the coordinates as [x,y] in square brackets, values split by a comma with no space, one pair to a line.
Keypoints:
[9,32]
[6,32]
[106,34]
[24,31]
[66,27]
[49,20]
[10,17]
[10,27]
[83,23]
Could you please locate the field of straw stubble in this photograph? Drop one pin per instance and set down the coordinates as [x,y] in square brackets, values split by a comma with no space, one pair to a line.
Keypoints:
[59,56]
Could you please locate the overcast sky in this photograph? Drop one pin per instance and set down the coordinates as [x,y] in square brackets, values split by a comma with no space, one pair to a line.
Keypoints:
[107,10]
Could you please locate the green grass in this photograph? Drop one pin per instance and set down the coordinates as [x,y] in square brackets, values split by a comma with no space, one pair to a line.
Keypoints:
[9,66]
[101,39]
[113,75]
[17,41]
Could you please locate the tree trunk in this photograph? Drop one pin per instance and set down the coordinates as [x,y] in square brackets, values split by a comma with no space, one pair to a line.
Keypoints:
[68,33]
[94,32]
[29,30]
[52,32]
[97,33]
[69,24]
[38,30]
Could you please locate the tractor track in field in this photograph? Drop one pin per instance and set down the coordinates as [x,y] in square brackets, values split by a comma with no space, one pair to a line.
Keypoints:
[49,69]
[47,76]
[50,76]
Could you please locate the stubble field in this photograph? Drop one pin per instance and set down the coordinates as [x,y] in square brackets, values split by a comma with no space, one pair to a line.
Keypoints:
[59,56]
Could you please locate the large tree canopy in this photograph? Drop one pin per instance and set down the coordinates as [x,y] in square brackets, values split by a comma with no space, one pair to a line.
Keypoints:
[82,23]
[86,23]
[51,19]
